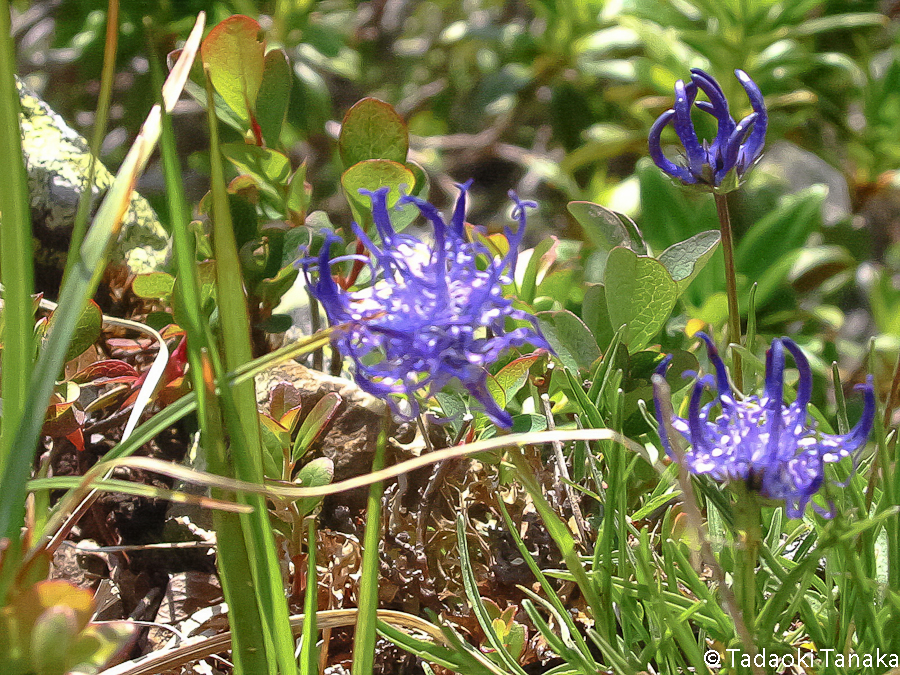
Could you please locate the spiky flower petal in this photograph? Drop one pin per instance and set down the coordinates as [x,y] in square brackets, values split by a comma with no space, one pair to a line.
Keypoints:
[774,448]
[433,313]
[719,165]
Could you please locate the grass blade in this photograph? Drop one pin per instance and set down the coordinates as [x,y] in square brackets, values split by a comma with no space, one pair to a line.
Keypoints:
[366,624]
[241,421]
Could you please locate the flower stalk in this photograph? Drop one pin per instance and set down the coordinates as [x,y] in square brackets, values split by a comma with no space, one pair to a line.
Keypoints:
[734,312]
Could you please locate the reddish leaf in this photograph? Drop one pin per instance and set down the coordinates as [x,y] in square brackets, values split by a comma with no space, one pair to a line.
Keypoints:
[235,56]
[282,398]
[105,372]
[315,422]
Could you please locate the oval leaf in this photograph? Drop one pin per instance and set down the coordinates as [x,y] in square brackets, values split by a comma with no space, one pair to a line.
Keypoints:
[685,259]
[155,285]
[274,95]
[318,472]
[235,57]
[372,129]
[570,339]
[513,376]
[317,419]
[371,175]
[640,294]
[87,330]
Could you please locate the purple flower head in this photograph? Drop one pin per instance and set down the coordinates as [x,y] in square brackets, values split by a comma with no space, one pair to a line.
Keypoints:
[721,164]
[773,447]
[432,313]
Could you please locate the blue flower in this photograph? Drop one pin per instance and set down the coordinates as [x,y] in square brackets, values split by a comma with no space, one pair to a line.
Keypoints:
[433,313]
[721,164]
[774,448]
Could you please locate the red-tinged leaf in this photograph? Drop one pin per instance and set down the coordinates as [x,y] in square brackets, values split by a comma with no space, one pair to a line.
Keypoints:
[173,391]
[235,57]
[283,397]
[497,392]
[290,419]
[513,376]
[101,372]
[372,129]
[76,438]
[177,363]
[315,422]
[62,419]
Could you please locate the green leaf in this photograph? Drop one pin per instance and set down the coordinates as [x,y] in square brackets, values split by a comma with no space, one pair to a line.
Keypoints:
[318,472]
[570,339]
[596,315]
[156,285]
[270,291]
[277,323]
[315,422]
[542,257]
[275,439]
[685,259]
[235,57]
[513,376]
[372,129]
[269,168]
[86,332]
[371,175]
[607,229]
[524,424]
[640,294]
[274,95]
[299,192]
[496,391]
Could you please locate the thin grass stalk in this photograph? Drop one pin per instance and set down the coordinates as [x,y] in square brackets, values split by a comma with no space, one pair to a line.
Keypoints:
[101,115]
[242,424]
[734,312]
[560,533]
[308,661]
[16,262]
[232,554]
[15,255]
[367,621]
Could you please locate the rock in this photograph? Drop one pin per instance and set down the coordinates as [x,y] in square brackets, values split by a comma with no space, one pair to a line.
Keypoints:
[57,160]
[350,438]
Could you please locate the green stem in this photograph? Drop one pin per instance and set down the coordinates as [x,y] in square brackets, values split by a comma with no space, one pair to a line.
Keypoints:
[749,531]
[734,312]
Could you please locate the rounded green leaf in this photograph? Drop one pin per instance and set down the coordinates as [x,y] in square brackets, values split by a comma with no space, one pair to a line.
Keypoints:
[570,339]
[372,129]
[685,259]
[274,96]
[235,57]
[86,331]
[640,294]
[155,285]
[372,175]
[606,228]
[316,473]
